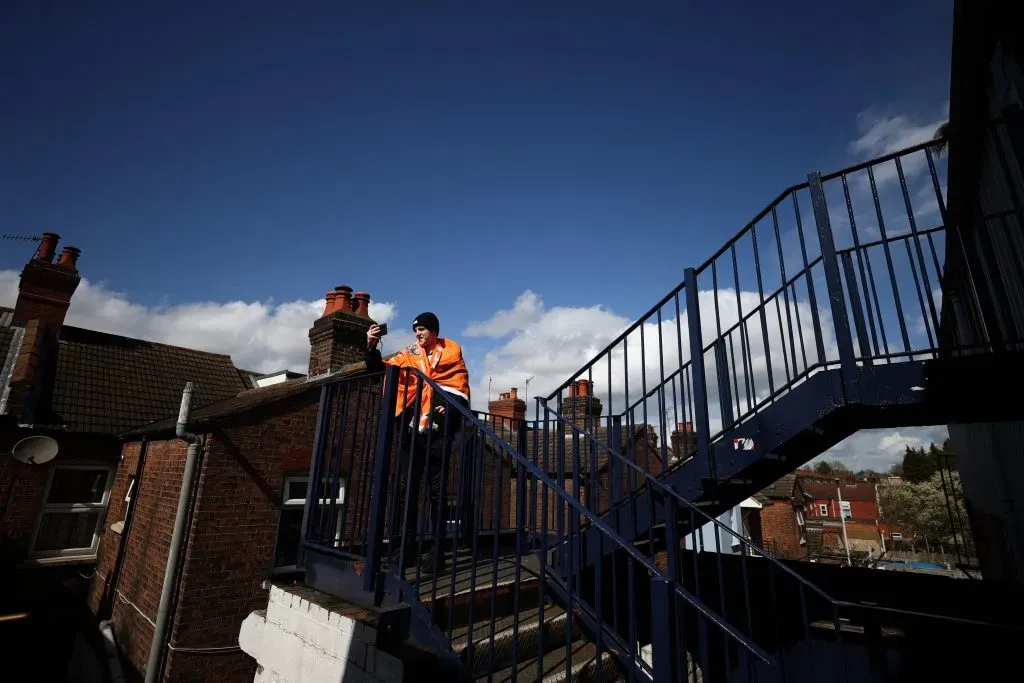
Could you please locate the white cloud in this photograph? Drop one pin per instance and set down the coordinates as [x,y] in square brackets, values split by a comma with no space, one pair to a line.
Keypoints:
[260,335]
[881,134]
[880,449]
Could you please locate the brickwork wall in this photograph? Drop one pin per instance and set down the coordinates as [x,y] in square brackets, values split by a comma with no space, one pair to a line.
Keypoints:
[336,340]
[110,541]
[146,551]
[780,531]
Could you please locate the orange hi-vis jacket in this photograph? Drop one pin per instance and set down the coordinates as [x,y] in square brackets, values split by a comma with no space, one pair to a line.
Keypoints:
[443,364]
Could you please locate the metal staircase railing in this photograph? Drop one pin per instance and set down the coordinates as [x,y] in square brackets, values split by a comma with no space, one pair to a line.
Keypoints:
[366,453]
[764,622]
[804,287]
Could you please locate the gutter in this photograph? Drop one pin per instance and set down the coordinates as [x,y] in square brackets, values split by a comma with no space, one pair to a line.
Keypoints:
[163,613]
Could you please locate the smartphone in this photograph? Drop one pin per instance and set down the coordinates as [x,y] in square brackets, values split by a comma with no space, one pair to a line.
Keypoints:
[383,329]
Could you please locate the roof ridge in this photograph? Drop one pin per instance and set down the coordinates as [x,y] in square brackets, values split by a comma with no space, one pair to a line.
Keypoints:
[75,328]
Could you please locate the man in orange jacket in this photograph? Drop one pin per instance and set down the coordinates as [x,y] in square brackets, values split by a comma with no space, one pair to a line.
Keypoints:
[437,422]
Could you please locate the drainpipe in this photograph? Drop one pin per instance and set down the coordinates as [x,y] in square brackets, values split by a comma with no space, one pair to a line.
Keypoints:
[163,612]
[846,541]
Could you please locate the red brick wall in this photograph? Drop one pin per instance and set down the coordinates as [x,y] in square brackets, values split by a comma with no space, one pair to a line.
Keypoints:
[231,547]
[22,486]
[860,509]
[779,530]
[111,541]
[147,546]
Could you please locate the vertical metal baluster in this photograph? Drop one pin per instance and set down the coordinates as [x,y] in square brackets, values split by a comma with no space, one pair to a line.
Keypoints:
[559,446]
[812,299]
[521,515]
[334,470]
[494,561]
[478,483]
[679,350]
[440,517]
[700,406]
[785,294]
[310,511]
[860,263]
[760,308]
[350,477]
[615,434]
[840,317]
[745,350]
[920,296]
[889,263]
[631,593]
[917,244]
[543,537]
[662,409]
[782,337]
[856,307]
[663,630]
[379,488]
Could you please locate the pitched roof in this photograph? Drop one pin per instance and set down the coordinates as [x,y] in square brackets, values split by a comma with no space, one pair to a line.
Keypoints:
[823,489]
[207,416]
[779,490]
[107,383]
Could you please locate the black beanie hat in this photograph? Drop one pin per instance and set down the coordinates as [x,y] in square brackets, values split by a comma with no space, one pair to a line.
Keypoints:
[427,320]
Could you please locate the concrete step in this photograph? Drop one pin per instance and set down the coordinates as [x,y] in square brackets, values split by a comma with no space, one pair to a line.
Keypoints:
[512,643]
[582,663]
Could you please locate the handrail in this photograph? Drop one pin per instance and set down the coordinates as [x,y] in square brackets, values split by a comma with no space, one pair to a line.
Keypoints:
[594,520]
[732,241]
[651,480]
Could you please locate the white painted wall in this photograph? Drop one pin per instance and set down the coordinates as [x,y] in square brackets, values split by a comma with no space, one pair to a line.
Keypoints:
[295,640]
[727,543]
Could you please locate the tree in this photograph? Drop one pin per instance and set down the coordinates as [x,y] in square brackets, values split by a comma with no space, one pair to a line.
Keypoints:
[830,467]
[924,509]
[918,465]
[941,138]
[896,470]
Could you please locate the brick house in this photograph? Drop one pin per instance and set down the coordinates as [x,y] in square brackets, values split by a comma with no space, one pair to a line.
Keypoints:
[781,519]
[245,512]
[77,390]
[830,503]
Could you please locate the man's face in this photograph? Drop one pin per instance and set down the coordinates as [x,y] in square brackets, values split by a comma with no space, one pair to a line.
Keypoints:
[424,338]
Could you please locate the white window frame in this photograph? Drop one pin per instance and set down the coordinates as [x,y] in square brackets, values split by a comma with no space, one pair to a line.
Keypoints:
[300,504]
[82,554]
[822,510]
[846,510]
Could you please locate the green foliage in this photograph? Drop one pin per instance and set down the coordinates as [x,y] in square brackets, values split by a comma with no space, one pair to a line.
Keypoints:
[923,508]
[829,467]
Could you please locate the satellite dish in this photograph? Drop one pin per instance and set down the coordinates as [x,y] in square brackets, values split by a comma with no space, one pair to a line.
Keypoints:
[35,450]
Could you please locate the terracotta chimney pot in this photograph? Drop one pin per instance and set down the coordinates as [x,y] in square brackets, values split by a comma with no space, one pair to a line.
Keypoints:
[361,304]
[69,258]
[344,298]
[514,393]
[329,307]
[47,247]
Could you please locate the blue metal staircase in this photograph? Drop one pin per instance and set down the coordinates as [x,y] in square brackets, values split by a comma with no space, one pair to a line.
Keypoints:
[570,547]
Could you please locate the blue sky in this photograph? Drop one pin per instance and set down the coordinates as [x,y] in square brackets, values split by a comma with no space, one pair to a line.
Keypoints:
[443,156]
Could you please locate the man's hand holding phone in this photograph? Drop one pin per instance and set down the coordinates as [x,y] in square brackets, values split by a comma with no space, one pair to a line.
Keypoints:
[374,334]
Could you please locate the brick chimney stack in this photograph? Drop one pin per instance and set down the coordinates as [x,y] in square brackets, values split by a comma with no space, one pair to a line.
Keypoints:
[46,288]
[338,337]
[44,296]
[509,409]
[581,407]
[684,441]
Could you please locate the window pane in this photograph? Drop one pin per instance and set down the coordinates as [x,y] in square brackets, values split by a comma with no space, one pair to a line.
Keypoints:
[296,489]
[289,534]
[66,530]
[78,486]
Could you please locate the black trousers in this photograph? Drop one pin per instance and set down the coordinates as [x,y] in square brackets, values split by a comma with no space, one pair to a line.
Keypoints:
[431,453]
